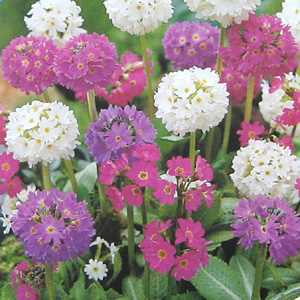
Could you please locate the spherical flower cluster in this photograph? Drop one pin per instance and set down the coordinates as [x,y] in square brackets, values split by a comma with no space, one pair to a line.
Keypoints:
[191,99]
[40,131]
[278,97]
[53,226]
[138,17]
[86,62]
[261,46]
[270,221]
[57,20]
[265,168]
[225,12]
[117,131]
[192,44]
[28,63]
[290,16]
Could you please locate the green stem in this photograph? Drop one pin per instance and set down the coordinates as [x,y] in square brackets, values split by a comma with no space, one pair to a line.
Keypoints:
[169,288]
[49,279]
[209,144]
[46,176]
[91,100]
[221,43]
[149,82]
[227,129]
[130,229]
[71,174]
[193,147]
[249,99]
[260,262]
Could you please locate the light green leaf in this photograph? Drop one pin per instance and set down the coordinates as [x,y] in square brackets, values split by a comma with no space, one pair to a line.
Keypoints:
[174,138]
[113,295]
[96,291]
[292,293]
[133,288]
[7,292]
[117,268]
[219,236]
[158,284]
[77,292]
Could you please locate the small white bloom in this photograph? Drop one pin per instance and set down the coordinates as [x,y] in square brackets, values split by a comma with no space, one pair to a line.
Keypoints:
[96,269]
[9,205]
[6,223]
[113,250]
[98,241]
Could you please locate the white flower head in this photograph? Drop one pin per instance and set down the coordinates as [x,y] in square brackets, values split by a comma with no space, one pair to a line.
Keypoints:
[53,136]
[56,19]
[225,12]
[95,269]
[265,168]
[99,241]
[113,250]
[191,99]
[6,223]
[138,17]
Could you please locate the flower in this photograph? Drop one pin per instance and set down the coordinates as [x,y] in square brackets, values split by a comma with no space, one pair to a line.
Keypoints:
[191,99]
[265,168]
[40,131]
[28,63]
[57,20]
[164,191]
[12,186]
[225,12]
[26,292]
[53,226]
[290,16]
[2,129]
[138,17]
[117,131]
[270,221]
[261,46]
[192,44]
[117,199]
[8,166]
[179,166]
[250,131]
[95,269]
[86,62]
[133,195]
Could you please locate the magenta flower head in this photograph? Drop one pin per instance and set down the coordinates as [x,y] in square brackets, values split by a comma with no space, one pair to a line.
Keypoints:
[270,221]
[86,62]
[118,131]
[53,226]
[192,44]
[28,63]
[261,46]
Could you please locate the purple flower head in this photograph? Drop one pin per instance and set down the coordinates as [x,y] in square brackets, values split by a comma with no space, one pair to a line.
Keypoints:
[118,131]
[270,221]
[53,226]
[192,44]
[28,63]
[86,62]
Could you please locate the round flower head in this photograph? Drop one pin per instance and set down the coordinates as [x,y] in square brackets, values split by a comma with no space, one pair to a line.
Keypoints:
[86,62]
[265,168]
[290,16]
[139,17]
[57,20]
[117,131]
[191,99]
[53,226]
[225,12]
[28,63]
[261,46]
[42,132]
[278,97]
[192,44]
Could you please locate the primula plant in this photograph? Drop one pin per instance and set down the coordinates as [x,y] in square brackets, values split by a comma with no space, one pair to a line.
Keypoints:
[155,152]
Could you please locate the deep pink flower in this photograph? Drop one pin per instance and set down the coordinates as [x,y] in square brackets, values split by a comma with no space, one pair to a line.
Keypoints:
[133,195]
[250,131]
[8,165]
[147,152]
[115,195]
[289,117]
[204,169]
[193,199]
[164,191]
[287,141]
[26,292]
[11,186]
[2,129]
[179,166]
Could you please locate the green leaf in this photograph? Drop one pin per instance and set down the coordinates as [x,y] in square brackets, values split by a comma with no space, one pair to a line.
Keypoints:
[117,268]
[158,284]
[77,292]
[86,177]
[218,237]
[174,138]
[245,271]
[270,7]
[218,281]
[133,288]
[96,291]
[292,293]
[7,292]
[112,294]
[187,296]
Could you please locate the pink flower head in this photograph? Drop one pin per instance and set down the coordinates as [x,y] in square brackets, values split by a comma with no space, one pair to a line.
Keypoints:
[289,117]
[2,130]
[107,172]
[296,97]
[287,141]
[8,165]
[193,199]
[179,166]
[147,152]
[115,195]
[164,191]
[204,169]
[250,131]
[133,195]
[26,292]
[28,63]
[261,46]
[86,62]
[12,186]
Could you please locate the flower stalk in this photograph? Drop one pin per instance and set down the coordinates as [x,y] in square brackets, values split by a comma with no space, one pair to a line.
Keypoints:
[71,174]
[249,99]
[49,279]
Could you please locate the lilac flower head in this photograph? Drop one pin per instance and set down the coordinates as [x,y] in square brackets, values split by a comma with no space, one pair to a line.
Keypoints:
[117,131]
[86,62]
[28,63]
[192,44]
[53,226]
[270,221]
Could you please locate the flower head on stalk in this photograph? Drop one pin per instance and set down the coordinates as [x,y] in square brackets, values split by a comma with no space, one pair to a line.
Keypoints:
[270,221]
[86,62]
[225,12]
[28,63]
[40,131]
[53,226]
[139,17]
[250,131]
[192,44]
[191,99]
[261,46]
